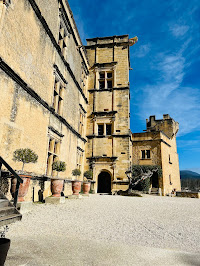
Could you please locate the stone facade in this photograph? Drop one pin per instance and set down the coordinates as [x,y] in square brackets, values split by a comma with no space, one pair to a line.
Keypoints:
[43,77]
[108,146]
[63,100]
[157,146]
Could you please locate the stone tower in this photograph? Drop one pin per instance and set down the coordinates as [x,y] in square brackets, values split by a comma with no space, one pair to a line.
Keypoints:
[108,148]
[157,146]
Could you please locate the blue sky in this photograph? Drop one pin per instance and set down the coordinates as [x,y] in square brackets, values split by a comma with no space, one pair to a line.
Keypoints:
[165,61]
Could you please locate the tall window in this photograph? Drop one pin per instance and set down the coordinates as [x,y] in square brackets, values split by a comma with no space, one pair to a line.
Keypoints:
[79,159]
[53,152]
[58,97]
[63,36]
[108,129]
[100,130]
[81,123]
[105,80]
[170,180]
[145,154]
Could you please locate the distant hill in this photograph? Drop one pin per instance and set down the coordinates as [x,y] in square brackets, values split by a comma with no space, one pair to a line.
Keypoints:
[186,174]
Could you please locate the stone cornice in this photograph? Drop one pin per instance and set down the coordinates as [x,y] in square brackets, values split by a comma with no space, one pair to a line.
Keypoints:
[59,73]
[112,89]
[55,131]
[150,140]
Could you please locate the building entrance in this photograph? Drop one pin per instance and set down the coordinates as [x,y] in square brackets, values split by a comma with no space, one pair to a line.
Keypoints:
[104,183]
[154,180]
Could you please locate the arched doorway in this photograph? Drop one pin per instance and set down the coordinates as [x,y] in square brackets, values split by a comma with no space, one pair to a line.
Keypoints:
[104,183]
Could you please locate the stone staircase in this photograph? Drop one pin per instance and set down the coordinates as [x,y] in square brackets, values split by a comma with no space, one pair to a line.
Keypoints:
[8,213]
[155,191]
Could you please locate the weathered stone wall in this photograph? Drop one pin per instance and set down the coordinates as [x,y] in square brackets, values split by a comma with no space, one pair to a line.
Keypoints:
[109,106]
[163,151]
[30,61]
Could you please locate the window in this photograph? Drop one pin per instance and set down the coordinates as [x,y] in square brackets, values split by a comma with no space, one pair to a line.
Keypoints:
[108,129]
[53,152]
[145,154]
[63,35]
[58,97]
[105,129]
[81,123]
[105,80]
[170,180]
[79,158]
[100,130]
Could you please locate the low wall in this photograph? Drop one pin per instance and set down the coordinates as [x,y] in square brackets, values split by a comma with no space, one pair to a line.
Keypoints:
[39,189]
[188,194]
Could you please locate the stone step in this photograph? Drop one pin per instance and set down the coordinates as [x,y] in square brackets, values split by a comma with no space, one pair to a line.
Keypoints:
[7,210]
[4,203]
[154,189]
[11,218]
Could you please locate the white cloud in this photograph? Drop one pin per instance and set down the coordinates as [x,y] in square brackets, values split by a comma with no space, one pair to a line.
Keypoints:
[168,95]
[179,30]
[143,50]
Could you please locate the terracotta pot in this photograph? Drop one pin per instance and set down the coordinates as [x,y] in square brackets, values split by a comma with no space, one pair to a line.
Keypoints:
[23,188]
[56,187]
[4,247]
[86,187]
[76,187]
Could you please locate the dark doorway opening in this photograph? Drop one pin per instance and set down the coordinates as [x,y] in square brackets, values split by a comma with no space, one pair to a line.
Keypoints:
[154,180]
[104,183]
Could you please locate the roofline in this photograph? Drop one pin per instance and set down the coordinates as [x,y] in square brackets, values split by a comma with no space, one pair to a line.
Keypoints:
[107,37]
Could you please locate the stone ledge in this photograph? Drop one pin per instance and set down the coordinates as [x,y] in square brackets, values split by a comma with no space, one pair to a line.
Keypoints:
[24,206]
[74,196]
[188,194]
[55,200]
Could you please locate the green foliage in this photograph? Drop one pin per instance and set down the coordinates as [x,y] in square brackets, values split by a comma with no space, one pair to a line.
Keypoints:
[137,170]
[88,174]
[25,156]
[59,166]
[76,172]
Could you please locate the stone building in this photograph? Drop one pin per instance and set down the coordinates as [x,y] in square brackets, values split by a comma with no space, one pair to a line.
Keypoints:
[61,99]
[157,146]
[108,146]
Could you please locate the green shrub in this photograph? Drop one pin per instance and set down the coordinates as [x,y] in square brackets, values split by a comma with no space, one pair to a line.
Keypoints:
[76,172]
[59,166]
[25,156]
[88,174]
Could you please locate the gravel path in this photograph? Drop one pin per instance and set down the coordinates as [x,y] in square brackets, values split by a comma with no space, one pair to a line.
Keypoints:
[106,230]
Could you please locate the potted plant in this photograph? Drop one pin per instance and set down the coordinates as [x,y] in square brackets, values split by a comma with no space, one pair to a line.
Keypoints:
[4,245]
[25,156]
[56,183]
[86,183]
[76,184]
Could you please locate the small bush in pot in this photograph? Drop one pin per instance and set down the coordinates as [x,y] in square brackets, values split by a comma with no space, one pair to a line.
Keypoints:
[88,174]
[86,184]
[76,184]
[59,166]
[56,183]
[25,156]
[76,172]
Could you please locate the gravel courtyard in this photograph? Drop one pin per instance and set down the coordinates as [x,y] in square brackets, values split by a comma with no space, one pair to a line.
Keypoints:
[108,230]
